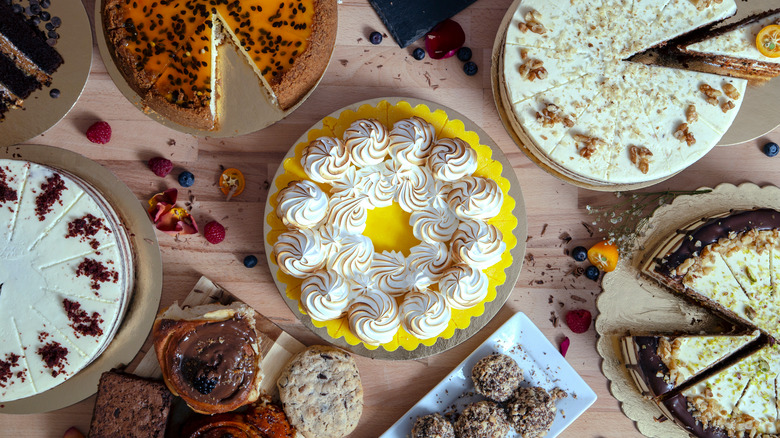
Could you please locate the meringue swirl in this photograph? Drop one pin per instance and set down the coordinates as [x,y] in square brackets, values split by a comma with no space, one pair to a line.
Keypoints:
[434,223]
[390,273]
[428,261]
[477,244]
[302,204]
[463,286]
[325,159]
[349,185]
[330,237]
[355,256]
[413,185]
[411,140]
[452,159]
[425,314]
[325,296]
[367,141]
[374,318]
[299,253]
[375,181]
[475,198]
[362,285]
[349,213]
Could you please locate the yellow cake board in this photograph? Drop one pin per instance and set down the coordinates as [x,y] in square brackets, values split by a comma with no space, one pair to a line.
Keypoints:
[510,221]
[632,303]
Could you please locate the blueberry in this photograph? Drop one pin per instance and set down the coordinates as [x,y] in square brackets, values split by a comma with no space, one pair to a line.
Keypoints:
[250,261]
[470,68]
[375,37]
[54,93]
[45,4]
[464,54]
[204,385]
[56,21]
[592,272]
[579,253]
[771,149]
[418,54]
[186,179]
[45,16]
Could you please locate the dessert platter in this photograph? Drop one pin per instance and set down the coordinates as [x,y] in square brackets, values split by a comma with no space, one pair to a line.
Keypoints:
[349,266]
[541,365]
[216,70]
[673,337]
[40,82]
[589,116]
[81,277]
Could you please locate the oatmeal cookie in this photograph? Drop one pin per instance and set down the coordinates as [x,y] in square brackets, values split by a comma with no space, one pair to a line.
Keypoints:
[496,376]
[321,392]
[483,419]
[531,411]
[432,426]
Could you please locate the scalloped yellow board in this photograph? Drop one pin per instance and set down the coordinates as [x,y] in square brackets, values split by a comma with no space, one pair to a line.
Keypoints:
[388,114]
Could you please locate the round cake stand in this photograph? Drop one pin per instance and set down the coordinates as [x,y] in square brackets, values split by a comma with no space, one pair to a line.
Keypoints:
[631,303]
[144,299]
[40,111]
[502,291]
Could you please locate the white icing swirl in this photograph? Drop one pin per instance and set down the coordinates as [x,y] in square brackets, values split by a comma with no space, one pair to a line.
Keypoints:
[411,140]
[475,198]
[302,204]
[374,318]
[325,296]
[434,223]
[355,256]
[299,253]
[463,286]
[390,273]
[348,186]
[330,236]
[413,185]
[477,244]
[375,181]
[452,159]
[367,141]
[325,159]
[425,314]
[349,213]
[427,262]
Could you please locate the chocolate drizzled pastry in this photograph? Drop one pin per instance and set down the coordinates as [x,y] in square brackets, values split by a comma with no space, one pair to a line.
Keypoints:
[209,355]
[263,420]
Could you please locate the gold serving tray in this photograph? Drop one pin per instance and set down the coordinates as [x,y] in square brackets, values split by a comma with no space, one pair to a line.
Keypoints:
[40,111]
[502,291]
[632,303]
[245,105]
[145,297]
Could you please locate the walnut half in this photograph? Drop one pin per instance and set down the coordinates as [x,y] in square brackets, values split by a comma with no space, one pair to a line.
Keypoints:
[640,156]
[731,91]
[551,114]
[683,134]
[589,145]
[690,114]
[533,69]
[711,93]
[532,23]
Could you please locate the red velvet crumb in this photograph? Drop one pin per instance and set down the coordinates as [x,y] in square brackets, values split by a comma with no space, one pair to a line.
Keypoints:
[55,356]
[6,192]
[97,271]
[81,321]
[11,360]
[86,227]
[52,190]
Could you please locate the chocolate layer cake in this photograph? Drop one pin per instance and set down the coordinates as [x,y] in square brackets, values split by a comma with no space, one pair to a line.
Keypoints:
[130,406]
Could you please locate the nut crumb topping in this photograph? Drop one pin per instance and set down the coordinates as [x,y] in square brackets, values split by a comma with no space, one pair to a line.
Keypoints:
[551,115]
[589,145]
[532,23]
[711,94]
[683,134]
[704,4]
[727,106]
[640,156]
[690,114]
[533,69]
[731,91]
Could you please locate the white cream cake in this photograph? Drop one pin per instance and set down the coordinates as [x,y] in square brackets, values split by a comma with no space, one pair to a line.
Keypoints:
[738,43]
[66,273]
[597,118]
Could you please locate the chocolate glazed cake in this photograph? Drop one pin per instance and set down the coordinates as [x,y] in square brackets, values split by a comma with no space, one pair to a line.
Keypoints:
[27,58]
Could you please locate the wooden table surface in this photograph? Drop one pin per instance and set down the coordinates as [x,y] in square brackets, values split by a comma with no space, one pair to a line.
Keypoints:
[361,71]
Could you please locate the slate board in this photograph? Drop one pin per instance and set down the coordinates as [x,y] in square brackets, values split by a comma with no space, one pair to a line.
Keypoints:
[408,20]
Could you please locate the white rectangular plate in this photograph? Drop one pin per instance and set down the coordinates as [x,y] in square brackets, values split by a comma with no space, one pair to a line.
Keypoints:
[540,361]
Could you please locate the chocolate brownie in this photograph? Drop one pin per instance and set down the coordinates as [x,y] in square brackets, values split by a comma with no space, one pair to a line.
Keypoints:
[129,406]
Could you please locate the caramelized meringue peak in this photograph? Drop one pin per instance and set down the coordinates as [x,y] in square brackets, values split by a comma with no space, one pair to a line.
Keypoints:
[424,313]
[299,253]
[367,140]
[302,204]
[411,140]
[475,198]
[428,261]
[463,286]
[477,244]
[325,159]
[325,295]
[452,159]
[374,318]
[390,273]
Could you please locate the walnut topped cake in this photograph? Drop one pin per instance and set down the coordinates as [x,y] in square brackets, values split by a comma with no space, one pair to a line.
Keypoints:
[592,116]
[66,275]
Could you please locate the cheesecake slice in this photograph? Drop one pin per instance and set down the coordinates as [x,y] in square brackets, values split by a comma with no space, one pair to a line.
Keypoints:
[659,364]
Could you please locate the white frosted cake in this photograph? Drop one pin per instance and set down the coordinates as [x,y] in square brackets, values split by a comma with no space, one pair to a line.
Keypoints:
[66,272]
[596,118]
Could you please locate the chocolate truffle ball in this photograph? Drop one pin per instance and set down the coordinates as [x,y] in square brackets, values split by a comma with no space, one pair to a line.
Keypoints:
[531,411]
[496,377]
[483,419]
[432,426]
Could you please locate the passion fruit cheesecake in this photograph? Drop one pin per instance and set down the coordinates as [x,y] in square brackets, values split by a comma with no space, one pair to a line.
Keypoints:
[166,50]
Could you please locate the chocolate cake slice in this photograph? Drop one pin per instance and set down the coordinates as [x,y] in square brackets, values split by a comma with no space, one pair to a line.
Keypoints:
[19,36]
[15,80]
[130,406]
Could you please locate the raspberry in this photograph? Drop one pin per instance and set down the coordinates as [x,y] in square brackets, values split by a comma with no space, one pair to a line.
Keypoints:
[99,132]
[578,320]
[160,166]
[214,232]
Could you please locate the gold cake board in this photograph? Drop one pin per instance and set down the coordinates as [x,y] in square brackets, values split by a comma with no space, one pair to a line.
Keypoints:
[631,303]
[144,299]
